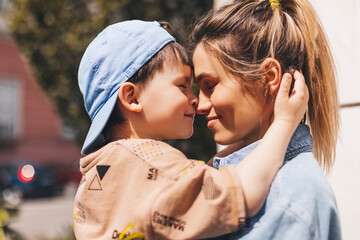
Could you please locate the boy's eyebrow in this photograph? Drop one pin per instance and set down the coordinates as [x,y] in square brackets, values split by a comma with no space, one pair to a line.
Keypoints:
[186,78]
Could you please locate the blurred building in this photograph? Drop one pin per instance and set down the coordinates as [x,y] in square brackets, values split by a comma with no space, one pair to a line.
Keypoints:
[30,129]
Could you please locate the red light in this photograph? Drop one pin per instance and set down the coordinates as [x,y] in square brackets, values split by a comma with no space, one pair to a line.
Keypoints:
[26,173]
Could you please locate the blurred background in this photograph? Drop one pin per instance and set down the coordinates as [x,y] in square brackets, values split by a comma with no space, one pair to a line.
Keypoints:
[43,122]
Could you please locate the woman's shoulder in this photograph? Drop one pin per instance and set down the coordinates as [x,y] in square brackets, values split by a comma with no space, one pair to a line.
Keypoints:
[301,192]
[303,167]
[301,180]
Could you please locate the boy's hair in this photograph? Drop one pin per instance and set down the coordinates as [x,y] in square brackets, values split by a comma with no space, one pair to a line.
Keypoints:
[172,55]
[242,35]
[111,59]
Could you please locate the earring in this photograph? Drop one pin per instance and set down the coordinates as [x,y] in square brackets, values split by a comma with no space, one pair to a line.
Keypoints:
[272,99]
[266,96]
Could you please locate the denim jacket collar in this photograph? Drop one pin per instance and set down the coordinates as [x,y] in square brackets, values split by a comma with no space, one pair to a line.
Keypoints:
[300,142]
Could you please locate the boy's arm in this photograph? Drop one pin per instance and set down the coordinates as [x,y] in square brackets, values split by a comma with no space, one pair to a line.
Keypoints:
[258,169]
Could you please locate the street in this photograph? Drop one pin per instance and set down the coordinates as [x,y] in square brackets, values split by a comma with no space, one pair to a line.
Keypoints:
[45,218]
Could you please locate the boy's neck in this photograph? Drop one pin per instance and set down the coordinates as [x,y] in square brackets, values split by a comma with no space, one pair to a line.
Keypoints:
[128,130]
[123,131]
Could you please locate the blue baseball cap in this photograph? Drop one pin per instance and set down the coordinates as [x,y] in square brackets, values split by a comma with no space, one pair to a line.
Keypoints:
[118,52]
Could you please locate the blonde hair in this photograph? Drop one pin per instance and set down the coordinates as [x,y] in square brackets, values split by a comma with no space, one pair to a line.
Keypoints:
[242,35]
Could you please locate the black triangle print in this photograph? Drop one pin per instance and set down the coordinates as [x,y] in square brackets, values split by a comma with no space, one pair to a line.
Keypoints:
[95,184]
[102,169]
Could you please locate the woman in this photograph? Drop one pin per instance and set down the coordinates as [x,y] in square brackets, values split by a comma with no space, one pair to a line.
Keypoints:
[240,54]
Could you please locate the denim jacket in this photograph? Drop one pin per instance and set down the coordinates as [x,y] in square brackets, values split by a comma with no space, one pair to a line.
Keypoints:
[300,205]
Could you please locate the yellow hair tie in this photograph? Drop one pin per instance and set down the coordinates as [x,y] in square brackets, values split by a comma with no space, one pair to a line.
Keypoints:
[274,3]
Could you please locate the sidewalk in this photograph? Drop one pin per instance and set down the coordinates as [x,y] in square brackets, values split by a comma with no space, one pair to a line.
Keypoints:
[45,218]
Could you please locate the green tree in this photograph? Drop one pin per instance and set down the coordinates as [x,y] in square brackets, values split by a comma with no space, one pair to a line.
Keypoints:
[53,35]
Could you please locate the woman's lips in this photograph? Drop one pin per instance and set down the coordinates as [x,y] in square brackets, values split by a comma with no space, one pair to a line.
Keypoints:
[212,121]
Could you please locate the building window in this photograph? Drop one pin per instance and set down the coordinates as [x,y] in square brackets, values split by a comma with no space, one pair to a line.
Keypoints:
[68,132]
[9,109]
[2,4]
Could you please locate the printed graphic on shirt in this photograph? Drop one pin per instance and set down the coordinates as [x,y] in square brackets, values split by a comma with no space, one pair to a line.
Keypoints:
[126,235]
[242,223]
[79,214]
[211,190]
[95,184]
[192,165]
[153,173]
[146,150]
[167,221]
[102,169]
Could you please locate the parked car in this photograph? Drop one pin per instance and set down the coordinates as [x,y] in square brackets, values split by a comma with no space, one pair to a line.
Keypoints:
[28,180]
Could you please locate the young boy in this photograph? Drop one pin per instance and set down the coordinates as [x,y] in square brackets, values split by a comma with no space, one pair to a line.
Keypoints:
[136,82]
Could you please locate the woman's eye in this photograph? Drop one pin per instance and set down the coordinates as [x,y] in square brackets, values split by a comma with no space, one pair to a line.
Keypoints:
[211,87]
[182,86]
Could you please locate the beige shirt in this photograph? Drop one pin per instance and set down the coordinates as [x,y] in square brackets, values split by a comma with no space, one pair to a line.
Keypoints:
[139,188]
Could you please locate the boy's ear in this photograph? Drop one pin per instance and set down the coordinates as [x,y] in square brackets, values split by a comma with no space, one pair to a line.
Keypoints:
[273,74]
[128,96]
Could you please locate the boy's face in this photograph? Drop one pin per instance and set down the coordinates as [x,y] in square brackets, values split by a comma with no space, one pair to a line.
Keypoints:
[169,104]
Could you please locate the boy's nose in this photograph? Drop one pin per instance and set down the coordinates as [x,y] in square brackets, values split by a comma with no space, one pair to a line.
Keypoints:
[204,104]
[194,100]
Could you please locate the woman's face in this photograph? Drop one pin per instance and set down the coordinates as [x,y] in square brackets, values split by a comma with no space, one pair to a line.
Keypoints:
[232,114]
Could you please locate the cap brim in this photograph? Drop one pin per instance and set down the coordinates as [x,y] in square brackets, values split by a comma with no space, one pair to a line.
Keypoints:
[94,139]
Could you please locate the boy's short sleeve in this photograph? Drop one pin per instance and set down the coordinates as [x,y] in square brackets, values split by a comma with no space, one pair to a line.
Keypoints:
[201,202]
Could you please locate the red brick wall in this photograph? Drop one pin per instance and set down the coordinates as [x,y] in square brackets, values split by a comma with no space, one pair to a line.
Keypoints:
[40,140]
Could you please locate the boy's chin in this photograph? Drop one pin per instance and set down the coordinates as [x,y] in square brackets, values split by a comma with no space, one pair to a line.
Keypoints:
[188,135]
[181,136]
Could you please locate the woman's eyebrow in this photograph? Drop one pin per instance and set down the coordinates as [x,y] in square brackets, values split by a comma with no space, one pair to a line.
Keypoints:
[201,76]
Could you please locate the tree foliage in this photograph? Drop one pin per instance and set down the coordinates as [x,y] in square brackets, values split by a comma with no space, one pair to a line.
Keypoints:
[53,35]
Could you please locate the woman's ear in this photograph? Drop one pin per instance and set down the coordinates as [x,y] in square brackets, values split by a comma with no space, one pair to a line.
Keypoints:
[128,96]
[272,69]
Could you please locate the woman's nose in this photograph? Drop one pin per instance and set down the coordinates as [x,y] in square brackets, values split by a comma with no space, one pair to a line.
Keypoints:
[204,104]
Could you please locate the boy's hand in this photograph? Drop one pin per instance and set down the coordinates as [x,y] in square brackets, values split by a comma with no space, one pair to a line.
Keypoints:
[291,109]
[258,169]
